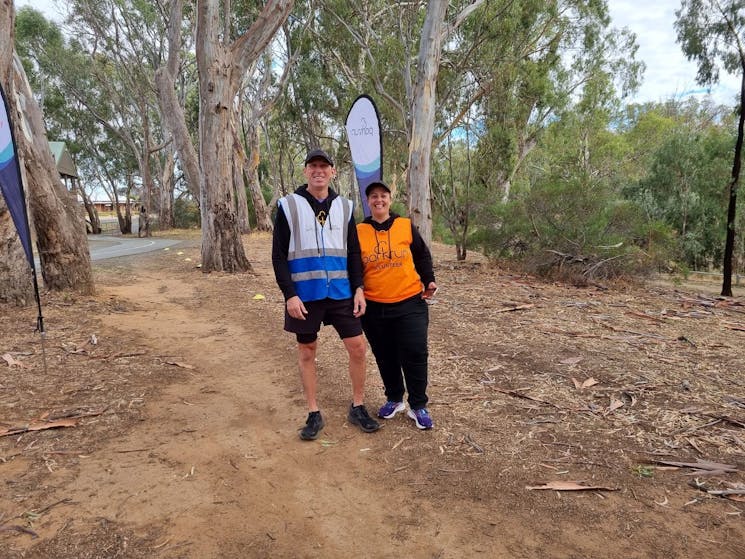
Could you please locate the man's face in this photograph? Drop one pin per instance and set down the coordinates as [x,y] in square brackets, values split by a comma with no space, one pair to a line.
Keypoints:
[318,173]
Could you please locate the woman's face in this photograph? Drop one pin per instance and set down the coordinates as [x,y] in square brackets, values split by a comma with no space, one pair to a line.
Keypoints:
[379,201]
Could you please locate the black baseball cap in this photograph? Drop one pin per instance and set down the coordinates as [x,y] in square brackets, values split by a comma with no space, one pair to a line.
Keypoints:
[373,184]
[318,154]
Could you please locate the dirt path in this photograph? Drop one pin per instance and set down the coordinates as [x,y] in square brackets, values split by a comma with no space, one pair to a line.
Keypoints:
[197,454]
[228,474]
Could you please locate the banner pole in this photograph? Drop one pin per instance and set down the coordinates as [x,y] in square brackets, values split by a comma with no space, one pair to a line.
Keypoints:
[40,320]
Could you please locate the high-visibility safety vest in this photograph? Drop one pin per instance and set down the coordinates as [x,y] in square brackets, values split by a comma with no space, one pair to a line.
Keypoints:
[388,267]
[317,255]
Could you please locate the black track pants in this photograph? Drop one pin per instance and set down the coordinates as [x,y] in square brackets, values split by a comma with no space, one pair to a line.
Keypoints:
[397,333]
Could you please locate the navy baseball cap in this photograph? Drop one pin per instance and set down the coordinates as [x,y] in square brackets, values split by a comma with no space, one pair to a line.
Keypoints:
[373,184]
[318,154]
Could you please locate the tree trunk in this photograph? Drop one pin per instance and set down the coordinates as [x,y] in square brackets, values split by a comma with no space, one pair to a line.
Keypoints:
[91,210]
[124,219]
[241,202]
[165,209]
[143,160]
[261,210]
[221,69]
[170,108]
[729,245]
[16,283]
[60,231]
[222,249]
[423,119]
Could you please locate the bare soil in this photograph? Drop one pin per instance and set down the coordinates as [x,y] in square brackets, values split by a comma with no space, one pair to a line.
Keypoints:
[176,401]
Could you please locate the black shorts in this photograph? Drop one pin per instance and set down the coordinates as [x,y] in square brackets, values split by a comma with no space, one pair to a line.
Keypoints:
[337,313]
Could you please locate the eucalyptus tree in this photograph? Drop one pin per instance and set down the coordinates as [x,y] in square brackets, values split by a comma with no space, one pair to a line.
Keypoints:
[688,146]
[169,73]
[539,59]
[77,107]
[454,192]
[122,42]
[684,189]
[63,250]
[223,64]
[711,32]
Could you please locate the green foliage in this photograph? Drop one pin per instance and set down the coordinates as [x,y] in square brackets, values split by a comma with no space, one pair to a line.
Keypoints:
[643,470]
[710,33]
[574,229]
[185,213]
[541,62]
[686,188]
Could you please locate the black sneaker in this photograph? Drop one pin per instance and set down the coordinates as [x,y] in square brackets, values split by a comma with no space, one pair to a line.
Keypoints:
[358,416]
[313,426]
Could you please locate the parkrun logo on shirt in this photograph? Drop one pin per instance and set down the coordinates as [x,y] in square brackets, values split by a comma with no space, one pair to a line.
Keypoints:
[383,254]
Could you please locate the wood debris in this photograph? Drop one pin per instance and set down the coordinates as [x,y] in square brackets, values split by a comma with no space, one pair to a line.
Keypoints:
[701,467]
[569,486]
[50,421]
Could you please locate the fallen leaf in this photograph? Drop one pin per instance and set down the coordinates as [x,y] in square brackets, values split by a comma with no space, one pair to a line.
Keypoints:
[569,486]
[258,297]
[587,383]
[571,361]
[614,404]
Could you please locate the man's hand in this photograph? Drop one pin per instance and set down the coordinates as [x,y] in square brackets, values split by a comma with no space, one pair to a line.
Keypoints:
[359,302]
[295,308]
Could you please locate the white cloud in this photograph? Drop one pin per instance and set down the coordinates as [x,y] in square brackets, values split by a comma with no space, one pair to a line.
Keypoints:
[669,73]
[48,7]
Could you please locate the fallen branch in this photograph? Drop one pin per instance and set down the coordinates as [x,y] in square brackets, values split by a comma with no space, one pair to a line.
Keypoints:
[647,316]
[725,492]
[701,467]
[715,416]
[516,394]
[569,486]
[38,426]
[16,528]
[515,308]
[47,421]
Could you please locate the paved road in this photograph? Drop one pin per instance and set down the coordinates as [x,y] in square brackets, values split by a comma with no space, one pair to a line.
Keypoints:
[104,246]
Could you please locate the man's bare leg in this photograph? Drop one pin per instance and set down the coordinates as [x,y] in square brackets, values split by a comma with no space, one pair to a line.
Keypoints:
[308,374]
[356,347]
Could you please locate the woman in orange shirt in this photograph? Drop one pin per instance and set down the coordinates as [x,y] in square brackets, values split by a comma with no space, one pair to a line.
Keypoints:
[397,265]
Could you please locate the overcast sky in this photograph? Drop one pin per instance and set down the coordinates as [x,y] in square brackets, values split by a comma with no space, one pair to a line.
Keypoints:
[668,73]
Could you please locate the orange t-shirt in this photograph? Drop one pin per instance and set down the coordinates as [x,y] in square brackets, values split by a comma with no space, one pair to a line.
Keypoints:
[388,270]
